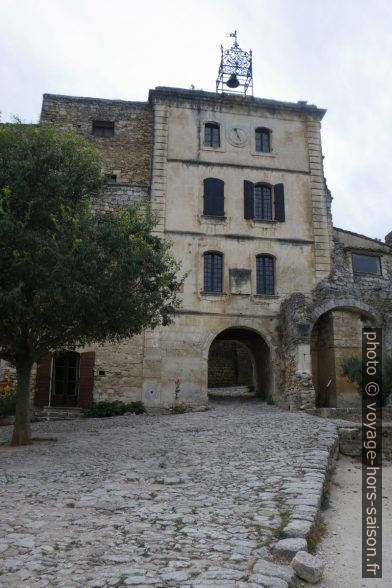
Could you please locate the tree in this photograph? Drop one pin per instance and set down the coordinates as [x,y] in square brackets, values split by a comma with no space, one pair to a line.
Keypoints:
[69,277]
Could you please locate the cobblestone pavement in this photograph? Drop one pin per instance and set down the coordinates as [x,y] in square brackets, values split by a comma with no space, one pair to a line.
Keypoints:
[192,500]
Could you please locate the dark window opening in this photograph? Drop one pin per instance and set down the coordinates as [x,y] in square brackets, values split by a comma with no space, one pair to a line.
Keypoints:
[213,197]
[212,135]
[366,264]
[263,203]
[103,128]
[265,275]
[263,140]
[213,272]
[111,178]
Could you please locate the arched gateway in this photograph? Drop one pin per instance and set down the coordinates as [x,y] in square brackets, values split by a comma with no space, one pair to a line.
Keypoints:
[239,356]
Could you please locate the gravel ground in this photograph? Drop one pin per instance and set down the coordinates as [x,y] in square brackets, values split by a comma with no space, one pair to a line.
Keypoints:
[191,500]
[341,547]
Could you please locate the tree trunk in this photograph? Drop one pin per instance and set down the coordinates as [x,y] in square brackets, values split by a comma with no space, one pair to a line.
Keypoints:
[22,429]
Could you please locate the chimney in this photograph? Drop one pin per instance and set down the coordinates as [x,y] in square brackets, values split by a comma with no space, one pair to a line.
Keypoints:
[388,239]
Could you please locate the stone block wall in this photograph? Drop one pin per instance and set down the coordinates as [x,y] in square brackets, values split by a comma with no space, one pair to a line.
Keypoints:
[229,364]
[118,370]
[128,153]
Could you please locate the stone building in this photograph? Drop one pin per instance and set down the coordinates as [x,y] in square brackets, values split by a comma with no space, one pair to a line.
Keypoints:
[275,296]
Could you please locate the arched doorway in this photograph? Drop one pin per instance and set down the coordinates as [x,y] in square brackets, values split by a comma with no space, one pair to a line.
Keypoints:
[239,357]
[336,335]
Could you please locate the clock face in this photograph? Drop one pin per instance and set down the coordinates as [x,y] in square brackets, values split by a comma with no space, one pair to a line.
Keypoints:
[237,137]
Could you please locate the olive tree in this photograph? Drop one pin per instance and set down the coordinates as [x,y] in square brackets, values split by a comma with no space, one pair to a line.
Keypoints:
[69,277]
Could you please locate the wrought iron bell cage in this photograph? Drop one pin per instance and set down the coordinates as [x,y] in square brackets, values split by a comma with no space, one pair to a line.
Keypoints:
[235,71]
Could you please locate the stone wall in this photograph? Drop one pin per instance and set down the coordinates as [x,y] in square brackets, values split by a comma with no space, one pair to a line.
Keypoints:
[118,370]
[119,196]
[128,153]
[229,364]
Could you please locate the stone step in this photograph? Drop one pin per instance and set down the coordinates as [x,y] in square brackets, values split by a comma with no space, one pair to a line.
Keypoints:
[58,413]
[231,392]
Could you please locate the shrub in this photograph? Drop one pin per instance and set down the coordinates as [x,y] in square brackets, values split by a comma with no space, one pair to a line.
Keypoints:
[352,369]
[8,403]
[115,408]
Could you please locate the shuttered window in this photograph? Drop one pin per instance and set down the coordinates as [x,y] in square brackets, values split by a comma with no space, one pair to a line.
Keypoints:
[213,272]
[263,140]
[263,202]
[211,135]
[265,282]
[213,197]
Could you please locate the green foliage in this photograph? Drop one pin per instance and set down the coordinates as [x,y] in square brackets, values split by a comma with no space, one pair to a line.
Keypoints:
[69,277]
[8,403]
[352,369]
[116,408]
[178,407]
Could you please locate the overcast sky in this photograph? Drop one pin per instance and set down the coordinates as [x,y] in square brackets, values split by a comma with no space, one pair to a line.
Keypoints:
[336,54]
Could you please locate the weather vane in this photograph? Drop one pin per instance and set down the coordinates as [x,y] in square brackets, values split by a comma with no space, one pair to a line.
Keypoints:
[235,70]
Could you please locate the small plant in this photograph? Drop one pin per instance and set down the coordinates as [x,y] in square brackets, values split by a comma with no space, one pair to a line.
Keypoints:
[326,493]
[250,387]
[316,534]
[178,407]
[115,408]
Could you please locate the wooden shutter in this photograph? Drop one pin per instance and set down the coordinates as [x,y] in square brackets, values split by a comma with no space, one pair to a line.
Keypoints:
[86,382]
[42,381]
[249,199]
[279,202]
[214,197]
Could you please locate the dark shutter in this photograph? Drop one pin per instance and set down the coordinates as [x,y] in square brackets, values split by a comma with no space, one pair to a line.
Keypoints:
[42,381]
[86,382]
[279,202]
[214,197]
[249,200]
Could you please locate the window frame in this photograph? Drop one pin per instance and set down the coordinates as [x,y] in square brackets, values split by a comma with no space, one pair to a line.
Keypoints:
[213,126]
[262,185]
[368,255]
[214,255]
[106,129]
[266,132]
[265,278]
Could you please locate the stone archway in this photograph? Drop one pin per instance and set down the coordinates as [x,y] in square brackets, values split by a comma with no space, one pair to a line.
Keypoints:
[240,356]
[337,334]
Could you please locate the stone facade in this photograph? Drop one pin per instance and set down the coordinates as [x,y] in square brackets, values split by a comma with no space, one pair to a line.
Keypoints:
[310,316]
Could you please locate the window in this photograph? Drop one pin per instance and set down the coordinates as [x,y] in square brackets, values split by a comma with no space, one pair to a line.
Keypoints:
[366,264]
[103,128]
[111,178]
[212,135]
[213,198]
[262,202]
[263,140]
[265,275]
[213,272]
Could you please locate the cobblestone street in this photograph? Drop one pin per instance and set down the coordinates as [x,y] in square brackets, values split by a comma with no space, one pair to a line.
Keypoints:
[192,500]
